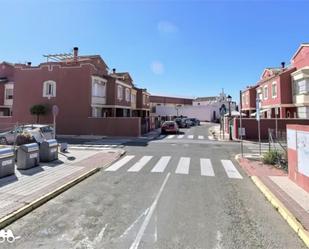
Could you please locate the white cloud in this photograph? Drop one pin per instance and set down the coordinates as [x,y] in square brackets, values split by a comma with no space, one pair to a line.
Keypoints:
[157,67]
[167,27]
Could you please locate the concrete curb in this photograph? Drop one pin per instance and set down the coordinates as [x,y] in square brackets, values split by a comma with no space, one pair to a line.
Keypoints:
[278,205]
[40,201]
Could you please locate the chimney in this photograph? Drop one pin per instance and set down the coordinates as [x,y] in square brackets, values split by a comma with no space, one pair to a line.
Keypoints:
[283,65]
[29,63]
[114,70]
[75,53]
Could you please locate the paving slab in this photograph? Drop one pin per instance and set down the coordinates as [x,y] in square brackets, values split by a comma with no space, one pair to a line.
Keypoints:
[27,186]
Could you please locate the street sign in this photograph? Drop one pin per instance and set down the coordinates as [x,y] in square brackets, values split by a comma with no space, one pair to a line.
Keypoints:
[222,110]
[257,114]
[277,111]
[55,110]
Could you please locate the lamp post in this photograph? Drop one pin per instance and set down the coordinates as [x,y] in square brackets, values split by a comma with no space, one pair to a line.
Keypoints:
[229,100]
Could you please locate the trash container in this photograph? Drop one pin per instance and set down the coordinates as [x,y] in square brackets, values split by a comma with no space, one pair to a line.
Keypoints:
[28,156]
[7,162]
[49,150]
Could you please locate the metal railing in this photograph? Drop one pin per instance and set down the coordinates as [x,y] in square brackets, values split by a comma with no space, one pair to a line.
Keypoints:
[277,141]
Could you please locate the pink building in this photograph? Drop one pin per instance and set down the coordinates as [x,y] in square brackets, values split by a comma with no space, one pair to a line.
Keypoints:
[274,91]
[90,100]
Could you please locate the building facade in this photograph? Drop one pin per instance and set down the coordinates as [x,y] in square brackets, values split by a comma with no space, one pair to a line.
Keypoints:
[282,92]
[81,86]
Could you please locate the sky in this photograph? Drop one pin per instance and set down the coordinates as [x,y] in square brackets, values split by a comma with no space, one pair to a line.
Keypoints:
[178,48]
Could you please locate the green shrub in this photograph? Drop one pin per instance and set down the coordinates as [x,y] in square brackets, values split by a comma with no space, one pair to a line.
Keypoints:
[271,157]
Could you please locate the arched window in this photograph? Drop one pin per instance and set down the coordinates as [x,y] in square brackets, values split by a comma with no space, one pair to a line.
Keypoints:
[49,89]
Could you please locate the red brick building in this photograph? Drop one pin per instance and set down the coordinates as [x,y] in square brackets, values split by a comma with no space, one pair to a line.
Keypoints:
[249,100]
[90,99]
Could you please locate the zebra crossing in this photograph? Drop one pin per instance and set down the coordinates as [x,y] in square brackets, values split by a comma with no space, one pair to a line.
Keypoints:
[198,137]
[183,166]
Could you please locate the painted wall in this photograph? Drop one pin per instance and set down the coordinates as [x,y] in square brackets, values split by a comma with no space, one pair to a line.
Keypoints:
[73,93]
[203,113]
[298,154]
[251,126]
[302,58]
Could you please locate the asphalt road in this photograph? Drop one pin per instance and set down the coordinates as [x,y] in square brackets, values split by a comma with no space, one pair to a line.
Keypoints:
[169,193]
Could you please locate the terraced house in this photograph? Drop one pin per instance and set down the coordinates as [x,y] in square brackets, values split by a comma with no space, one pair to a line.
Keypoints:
[282,91]
[91,100]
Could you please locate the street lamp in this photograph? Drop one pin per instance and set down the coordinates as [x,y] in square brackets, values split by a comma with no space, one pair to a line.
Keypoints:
[229,100]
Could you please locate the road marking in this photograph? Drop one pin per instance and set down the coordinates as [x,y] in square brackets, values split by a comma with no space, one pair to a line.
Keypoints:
[152,208]
[133,224]
[206,168]
[161,164]
[230,169]
[190,136]
[180,136]
[140,164]
[183,166]
[120,163]
[170,136]
[200,137]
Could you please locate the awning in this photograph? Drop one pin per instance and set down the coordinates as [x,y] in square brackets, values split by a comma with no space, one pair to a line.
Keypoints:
[235,114]
[261,111]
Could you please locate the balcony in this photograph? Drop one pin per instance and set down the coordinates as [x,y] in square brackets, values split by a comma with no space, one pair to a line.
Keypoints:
[95,100]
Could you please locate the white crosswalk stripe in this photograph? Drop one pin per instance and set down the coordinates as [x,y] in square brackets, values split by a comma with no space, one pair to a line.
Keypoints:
[200,137]
[180,136]
[183,166]
[190,136]
[230,169]
[140,164]
[170,136]
[120,163]
[206,167]
[161,164]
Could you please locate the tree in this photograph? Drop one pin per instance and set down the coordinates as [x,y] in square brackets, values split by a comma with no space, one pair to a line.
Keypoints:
[38,110]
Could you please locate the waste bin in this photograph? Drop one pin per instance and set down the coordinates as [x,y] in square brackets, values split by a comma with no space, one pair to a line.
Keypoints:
[49,150]
[7,162]
[28,156]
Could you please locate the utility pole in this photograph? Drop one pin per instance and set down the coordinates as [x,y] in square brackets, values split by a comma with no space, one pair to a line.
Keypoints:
[240,124]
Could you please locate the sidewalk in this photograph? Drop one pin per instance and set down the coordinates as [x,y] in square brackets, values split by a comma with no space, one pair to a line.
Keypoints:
[28,189]
[291,201]
[216,134]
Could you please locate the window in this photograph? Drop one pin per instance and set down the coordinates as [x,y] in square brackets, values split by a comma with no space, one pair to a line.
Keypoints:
[98,88]
[96,112]
[265,93]
[243,98]
[301,86]
[49,89]
[127,94]
[8,93]
[274,89]
[144,99]
[133,98]
[247,98]
[119,93]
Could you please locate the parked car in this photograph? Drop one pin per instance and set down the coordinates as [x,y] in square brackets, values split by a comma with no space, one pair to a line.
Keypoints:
[39,132]
[181,123]
[195,121]
[8,137]
[169,127]
[188,122]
